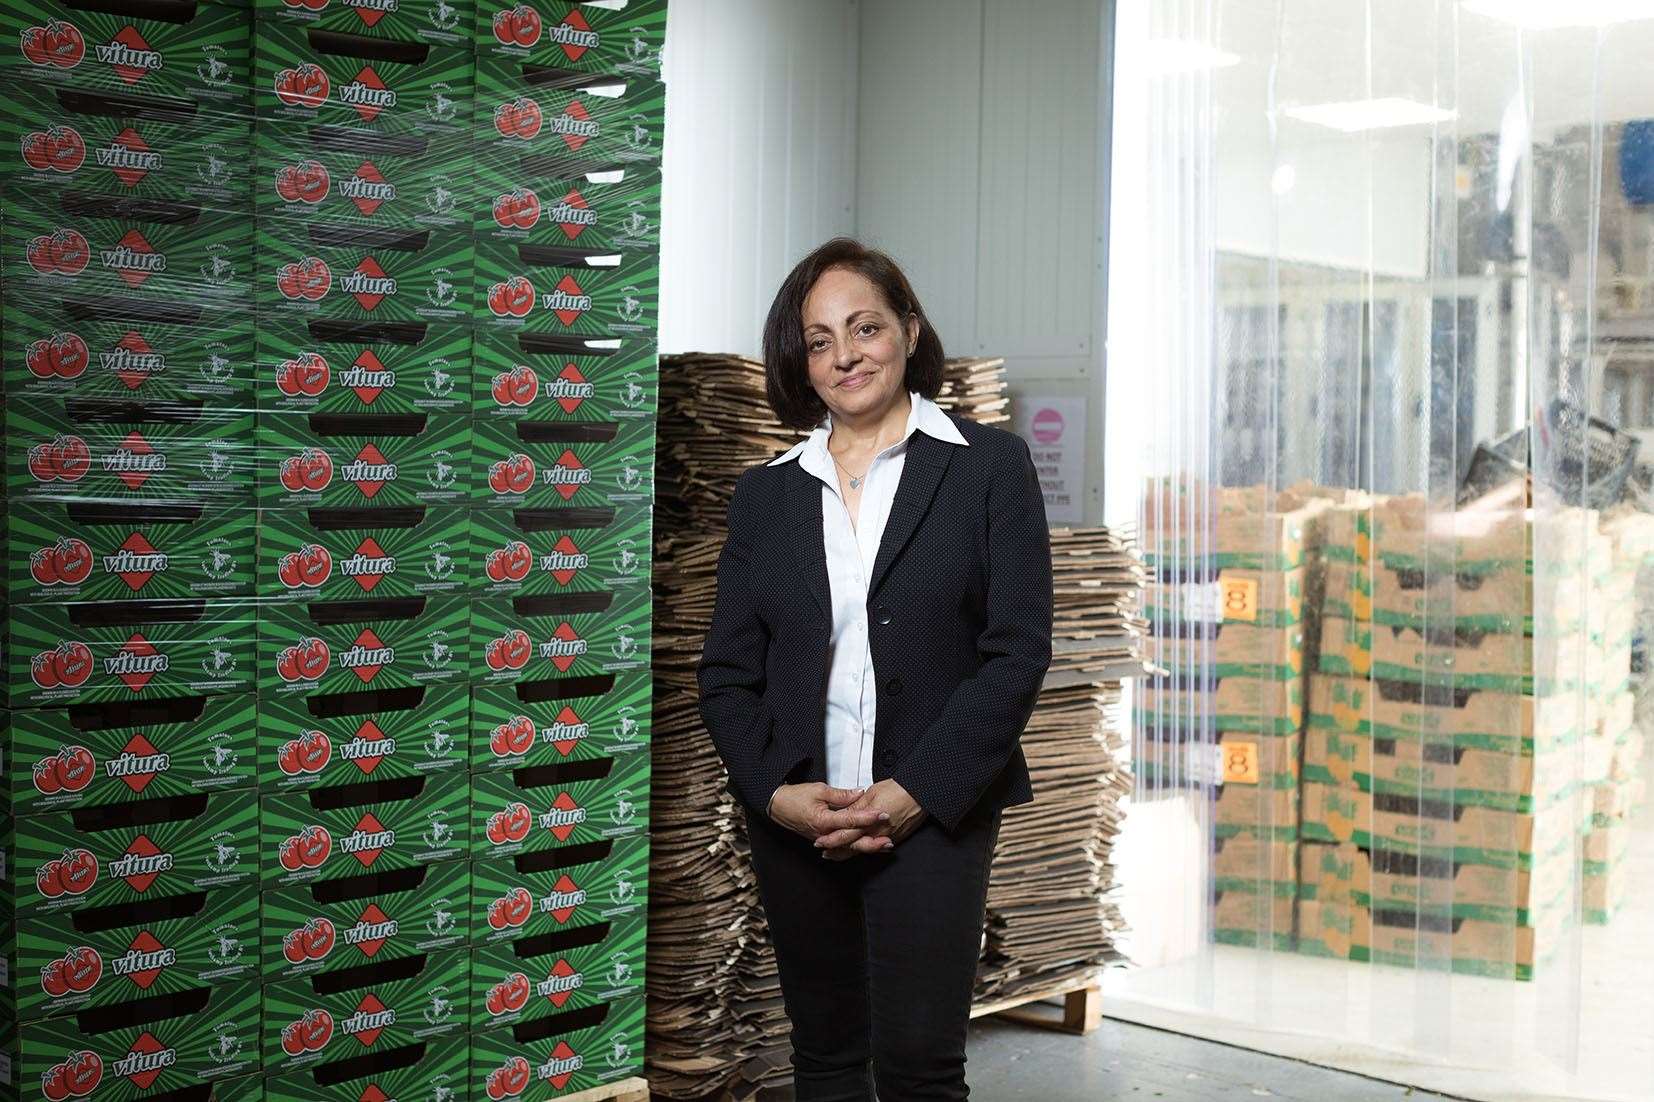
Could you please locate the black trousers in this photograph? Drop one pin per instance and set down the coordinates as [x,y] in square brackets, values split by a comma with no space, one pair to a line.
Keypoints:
[877,957]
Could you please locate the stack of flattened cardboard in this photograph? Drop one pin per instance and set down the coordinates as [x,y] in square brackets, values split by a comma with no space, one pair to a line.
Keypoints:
[717,1027]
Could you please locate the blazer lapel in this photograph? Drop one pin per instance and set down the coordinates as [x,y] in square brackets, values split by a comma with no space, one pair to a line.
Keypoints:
[927,458]
[805,534]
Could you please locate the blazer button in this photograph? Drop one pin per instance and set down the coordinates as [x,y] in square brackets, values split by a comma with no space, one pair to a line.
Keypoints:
[888,757]
[882,614]
[893,686]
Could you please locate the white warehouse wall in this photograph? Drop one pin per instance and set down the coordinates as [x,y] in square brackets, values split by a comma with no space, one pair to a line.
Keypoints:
[759,160]
[965,137]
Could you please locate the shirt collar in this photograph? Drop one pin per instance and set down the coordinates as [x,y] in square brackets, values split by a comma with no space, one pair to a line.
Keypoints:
[923,414]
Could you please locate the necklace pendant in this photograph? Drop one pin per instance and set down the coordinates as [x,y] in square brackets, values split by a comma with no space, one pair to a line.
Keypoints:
[855,482]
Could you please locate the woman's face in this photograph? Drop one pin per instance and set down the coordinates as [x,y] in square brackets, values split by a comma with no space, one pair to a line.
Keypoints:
[857,346]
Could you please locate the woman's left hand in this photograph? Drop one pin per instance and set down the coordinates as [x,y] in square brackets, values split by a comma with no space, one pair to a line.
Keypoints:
[905,817]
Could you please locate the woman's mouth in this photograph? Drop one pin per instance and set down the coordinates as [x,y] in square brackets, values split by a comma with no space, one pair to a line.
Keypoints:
[856,381]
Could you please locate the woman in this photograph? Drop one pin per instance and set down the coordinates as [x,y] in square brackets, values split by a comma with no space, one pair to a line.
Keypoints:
[882,628]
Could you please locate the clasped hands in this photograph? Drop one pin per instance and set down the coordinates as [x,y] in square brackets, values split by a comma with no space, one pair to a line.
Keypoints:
[846,821]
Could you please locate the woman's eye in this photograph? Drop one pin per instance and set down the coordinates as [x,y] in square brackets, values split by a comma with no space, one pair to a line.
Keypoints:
[869,328]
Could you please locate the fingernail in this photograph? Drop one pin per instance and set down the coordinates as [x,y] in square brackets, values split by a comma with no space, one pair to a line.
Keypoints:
[884,816]
[818,843]
[889,846]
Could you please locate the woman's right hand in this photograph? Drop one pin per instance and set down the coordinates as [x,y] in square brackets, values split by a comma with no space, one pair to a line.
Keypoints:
[813,809]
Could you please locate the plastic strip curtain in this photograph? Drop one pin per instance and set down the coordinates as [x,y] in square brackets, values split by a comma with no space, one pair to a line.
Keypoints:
[1364,256]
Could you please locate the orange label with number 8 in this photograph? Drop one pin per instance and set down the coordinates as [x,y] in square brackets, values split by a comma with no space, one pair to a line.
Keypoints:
[1240,598]
[1240,763]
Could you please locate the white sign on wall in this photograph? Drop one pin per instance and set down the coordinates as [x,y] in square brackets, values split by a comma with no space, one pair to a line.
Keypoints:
[1054,427]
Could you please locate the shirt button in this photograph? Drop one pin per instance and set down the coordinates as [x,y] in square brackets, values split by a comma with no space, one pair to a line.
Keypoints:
[882,613]
[893,686]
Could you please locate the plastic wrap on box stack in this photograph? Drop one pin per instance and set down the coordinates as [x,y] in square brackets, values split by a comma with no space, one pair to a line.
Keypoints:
[131,896]
[1462,694]
[327,728]
[1231,608]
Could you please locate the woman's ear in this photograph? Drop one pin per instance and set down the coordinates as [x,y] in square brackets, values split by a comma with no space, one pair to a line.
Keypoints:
[912,328]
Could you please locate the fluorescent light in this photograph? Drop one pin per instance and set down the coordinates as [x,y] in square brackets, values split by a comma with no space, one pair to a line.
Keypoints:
[1164,56]
[1370,114]
[1546,15]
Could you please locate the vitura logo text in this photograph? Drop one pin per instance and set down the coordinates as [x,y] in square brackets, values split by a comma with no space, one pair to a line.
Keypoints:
[144,1063]
[368,191]
[359,656]
[360,470]
[127,461]
[563,300]
[128,664]
[131,361]
[363,841]
[129,865]
[129,764]
[135,961]
[123,56]
[125,258]
[359,282]
[121,157]
[126,561]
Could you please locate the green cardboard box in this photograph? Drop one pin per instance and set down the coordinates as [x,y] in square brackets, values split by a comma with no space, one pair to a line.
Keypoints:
[523,291]
[169,946]
[199,53]
[532,894]
[434,1069]
[374,461]
[116,350]
[531,724]
[513,383]
[520,553]
[615,211]
[305,367]
[560,805]
[60,760]
[327,1020]
[355,554]
[343,272]
[524,981]
[440,22]
[125,146]
[565,34]
[367,919]
[130,651]
[142,851]
[533,638]
[305,75]
[95,450]
[320,742]
[169,1045]
[558,463]
[61,551]
[349,830]
[78,244]
[375,181]
[354,646]
[562,1055]
[530,121]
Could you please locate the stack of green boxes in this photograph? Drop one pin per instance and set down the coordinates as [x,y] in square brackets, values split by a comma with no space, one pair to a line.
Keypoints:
[364,362]
[565,208]
[329,632]
[1437,800]
[131,904]
[1229,621]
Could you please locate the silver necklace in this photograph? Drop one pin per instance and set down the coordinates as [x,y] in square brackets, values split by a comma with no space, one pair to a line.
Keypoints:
[855,480]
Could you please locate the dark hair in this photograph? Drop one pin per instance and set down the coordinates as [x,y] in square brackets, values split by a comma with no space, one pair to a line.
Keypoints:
[786,373]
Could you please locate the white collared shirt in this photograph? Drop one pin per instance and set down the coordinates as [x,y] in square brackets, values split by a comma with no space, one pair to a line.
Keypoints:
[852,704]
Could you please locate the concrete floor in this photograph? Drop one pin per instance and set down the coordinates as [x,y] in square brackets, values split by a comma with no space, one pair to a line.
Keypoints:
[1120,1061]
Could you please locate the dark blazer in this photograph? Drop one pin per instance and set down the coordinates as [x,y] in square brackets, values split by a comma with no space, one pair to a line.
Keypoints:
[959,614]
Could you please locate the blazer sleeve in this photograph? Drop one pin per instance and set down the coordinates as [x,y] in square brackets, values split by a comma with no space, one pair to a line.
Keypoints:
[969,743]
[731,671]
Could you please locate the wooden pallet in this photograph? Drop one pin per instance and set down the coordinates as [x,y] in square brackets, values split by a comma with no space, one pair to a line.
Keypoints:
[1081,1010]
[635,1089]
